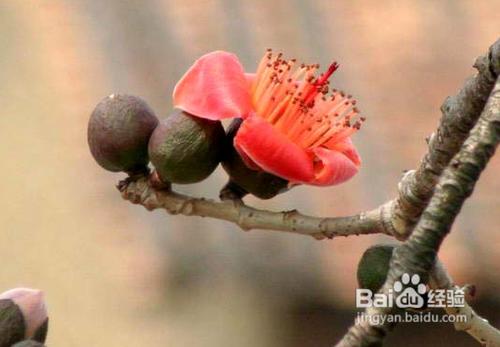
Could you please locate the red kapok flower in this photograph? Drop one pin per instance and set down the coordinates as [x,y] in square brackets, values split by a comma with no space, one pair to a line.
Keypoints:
[291,127]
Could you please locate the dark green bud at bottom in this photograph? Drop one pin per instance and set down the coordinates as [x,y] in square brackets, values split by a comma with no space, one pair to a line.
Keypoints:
[12,327]
[13,324]
[41,333]
[29,343]
[118,133]
[374,267]
[186,149]
[244,180]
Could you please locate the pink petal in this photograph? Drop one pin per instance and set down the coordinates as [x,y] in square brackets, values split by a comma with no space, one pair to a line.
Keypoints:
[246,159]
[215,87]
[273,152]
[346,147]
[335,167]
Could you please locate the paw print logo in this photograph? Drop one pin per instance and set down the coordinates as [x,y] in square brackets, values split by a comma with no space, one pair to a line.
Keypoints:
[410,292]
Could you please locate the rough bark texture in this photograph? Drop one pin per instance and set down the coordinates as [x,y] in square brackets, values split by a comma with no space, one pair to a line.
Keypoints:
[459,114]
[418,254]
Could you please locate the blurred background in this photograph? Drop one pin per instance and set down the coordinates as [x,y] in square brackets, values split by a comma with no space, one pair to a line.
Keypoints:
[117,275]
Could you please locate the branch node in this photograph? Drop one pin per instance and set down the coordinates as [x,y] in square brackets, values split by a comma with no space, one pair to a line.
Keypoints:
[156,182]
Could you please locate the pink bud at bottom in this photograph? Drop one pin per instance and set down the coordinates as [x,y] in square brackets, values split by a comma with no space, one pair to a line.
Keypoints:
[32,305]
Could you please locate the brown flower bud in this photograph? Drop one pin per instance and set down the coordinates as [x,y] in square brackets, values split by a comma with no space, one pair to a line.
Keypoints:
[118,133]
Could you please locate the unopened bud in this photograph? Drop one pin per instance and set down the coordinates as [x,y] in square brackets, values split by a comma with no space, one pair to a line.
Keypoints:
[118,133]
[243,179]
[186,149]
[374,267]
[11,323]
[23,315]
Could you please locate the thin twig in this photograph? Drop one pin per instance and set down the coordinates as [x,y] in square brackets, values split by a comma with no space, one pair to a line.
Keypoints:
[141,190]
[476,326]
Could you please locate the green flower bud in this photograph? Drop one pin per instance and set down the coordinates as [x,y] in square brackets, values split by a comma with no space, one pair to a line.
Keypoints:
[244,180]
[11,323]
[374,266]
[186,149]
[118,133]
[29,343]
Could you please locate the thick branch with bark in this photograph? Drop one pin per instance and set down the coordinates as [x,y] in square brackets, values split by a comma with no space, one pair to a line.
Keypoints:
[418,254]
[459,114]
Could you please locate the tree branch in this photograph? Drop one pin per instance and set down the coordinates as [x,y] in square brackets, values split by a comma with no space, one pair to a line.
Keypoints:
[142,190]
[459,114]
[395,217]
[418,254]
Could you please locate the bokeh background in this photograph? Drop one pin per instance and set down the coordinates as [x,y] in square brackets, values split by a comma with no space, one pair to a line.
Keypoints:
[117,275]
